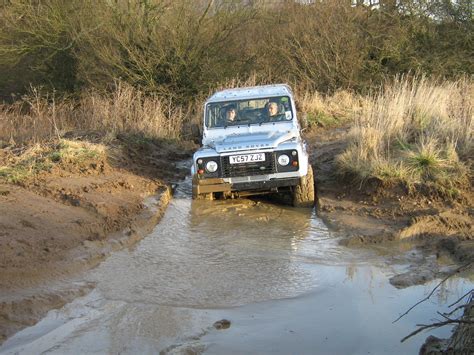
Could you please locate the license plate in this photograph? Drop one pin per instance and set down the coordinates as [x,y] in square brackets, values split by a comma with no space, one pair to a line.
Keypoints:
[247,158]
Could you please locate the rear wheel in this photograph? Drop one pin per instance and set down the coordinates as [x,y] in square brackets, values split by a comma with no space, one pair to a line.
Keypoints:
[303,193]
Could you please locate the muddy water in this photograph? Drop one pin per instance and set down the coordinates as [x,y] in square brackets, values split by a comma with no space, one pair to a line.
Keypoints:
[276,273]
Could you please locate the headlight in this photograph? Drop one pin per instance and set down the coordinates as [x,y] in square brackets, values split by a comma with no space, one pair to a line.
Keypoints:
[283,160]
[211,166]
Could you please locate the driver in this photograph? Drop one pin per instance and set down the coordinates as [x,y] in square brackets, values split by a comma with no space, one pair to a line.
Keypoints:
[272,109]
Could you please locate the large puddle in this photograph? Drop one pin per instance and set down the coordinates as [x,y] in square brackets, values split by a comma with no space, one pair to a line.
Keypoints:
[275,272]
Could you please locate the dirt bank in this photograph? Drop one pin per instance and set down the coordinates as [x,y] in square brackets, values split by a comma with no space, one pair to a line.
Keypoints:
[374,213]
[67,217]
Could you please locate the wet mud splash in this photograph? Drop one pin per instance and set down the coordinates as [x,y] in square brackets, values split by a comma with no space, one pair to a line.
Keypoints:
[276,274]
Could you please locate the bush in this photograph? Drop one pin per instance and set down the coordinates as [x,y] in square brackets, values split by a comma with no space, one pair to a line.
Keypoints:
[37,45]
[178,49]
[184,48]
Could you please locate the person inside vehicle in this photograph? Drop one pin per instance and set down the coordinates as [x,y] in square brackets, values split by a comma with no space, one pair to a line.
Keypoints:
[272,110]
[231,114]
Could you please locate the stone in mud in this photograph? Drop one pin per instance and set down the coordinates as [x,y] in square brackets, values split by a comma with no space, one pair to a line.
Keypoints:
[222,324]
[412,277]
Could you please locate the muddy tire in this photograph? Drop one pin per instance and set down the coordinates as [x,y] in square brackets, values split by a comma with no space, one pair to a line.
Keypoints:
[209,196]
[303,193]
[196,196]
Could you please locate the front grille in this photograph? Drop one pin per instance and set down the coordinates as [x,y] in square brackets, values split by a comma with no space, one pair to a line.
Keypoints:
[249,169]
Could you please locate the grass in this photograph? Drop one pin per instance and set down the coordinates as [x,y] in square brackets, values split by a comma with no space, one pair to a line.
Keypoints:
[39,158]
[426,161]
[39,117]
[329,110]
[417,132]
[75,152]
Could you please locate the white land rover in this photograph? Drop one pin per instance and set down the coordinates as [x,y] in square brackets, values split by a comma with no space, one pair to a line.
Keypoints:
[252,145]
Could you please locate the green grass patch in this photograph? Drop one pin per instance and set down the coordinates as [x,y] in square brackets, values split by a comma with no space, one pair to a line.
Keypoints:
[37,159]
[321,119]
[75,152]
[421,166]
[22,171]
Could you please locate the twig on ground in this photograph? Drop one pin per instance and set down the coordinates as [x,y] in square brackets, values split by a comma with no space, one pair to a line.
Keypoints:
[455,309]
[459,269]
[436,325]
[461,298]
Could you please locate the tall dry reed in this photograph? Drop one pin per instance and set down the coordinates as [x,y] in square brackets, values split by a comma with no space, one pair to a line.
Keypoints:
[34,117]
[327,110]
[413,130]
[128,110]
[125,110]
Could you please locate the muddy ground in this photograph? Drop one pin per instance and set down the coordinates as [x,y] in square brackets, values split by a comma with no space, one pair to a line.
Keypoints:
[67,220]
[375,213]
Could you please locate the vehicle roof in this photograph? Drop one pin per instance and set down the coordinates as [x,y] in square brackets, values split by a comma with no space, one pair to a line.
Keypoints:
[251,92]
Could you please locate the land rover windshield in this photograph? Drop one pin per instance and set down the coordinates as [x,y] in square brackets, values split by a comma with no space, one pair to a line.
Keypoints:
[248,112]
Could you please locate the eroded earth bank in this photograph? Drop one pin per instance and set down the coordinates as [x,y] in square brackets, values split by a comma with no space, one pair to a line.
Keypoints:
[284,281]
[58,220]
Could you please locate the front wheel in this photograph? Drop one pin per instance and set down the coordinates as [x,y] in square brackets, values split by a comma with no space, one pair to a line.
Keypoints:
[303,193]
[200,196]
[208,196]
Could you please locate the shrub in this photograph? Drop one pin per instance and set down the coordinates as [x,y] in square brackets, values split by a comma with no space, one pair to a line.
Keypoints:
[37,45]
[178,49]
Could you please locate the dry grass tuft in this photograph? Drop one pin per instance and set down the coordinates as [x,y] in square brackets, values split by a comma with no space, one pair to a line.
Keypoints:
[34,117]
[414,131]
[38,117]
[128,110]
[328,110]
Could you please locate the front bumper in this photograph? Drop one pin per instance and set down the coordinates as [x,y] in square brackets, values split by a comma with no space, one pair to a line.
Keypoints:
[203,186]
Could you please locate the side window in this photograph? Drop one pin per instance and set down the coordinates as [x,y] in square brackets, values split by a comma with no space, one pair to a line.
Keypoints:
[286,103]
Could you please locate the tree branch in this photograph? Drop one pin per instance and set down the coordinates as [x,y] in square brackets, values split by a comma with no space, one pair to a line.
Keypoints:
[459,269]
[436,325]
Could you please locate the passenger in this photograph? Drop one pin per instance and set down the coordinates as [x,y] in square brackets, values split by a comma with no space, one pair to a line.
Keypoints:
[231,114]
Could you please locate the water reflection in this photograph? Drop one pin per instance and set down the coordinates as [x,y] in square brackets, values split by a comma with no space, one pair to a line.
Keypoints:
[207,254]
[214,254]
